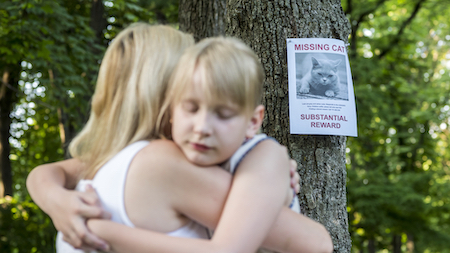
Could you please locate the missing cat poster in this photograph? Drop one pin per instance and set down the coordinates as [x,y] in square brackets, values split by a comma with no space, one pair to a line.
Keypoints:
[321,97]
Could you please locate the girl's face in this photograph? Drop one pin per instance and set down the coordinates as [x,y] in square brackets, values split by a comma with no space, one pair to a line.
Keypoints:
[207,132]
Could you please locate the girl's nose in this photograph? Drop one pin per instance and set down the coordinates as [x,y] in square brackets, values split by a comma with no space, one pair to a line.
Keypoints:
[202,124]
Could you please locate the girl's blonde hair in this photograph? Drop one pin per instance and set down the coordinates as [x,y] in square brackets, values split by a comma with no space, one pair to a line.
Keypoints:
[230,71]
[131,83]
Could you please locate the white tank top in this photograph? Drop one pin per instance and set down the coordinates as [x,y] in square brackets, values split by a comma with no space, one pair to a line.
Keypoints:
[109,182]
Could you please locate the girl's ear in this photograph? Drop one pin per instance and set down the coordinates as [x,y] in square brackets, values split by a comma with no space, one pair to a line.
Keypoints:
[255,122]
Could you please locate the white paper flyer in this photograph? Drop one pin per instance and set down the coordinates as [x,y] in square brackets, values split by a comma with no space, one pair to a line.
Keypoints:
[321,96]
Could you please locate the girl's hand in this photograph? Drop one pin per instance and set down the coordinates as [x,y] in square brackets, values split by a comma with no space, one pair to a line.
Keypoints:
[295,177]
[69,217]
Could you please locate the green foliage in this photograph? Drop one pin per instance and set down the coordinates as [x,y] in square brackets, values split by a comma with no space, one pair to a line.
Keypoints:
[49,42]
[398,171]
[58,55]
[124,12]
[24,227]
[398,166]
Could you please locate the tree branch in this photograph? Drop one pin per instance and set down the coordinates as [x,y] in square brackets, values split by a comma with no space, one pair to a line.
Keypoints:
[349,9]
[400,32]
[19,92]
[355,27]
[364,14]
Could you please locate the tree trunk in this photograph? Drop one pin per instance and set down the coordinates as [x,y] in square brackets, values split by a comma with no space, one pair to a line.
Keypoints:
[361,246]
[98,24]
[265,25]
[371,246]
[410,244]
[397,244]
[202,18]
[98,21]
[7,99]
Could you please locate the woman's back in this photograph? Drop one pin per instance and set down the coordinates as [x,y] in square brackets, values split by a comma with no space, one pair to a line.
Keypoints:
[163,190]
[147,195]
[135,192]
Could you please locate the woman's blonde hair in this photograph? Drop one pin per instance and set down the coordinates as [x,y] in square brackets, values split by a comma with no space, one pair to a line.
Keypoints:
[131,83]
[230,71]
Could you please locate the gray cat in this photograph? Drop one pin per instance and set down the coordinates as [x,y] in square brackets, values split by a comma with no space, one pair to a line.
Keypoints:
[322,80]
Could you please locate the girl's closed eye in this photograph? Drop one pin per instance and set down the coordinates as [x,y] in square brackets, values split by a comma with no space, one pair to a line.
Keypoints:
[189,106]
[225,112]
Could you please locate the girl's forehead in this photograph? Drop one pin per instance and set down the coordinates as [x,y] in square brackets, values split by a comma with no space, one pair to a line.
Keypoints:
[206,88]
[197,96]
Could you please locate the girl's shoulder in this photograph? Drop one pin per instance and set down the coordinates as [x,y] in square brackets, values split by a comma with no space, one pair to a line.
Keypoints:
[160,155]
[262,152]
[262,144]
[159,150]
[164,160]
[161,144]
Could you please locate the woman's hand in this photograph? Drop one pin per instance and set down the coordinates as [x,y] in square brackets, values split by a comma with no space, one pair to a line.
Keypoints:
[69,216]
[51,188]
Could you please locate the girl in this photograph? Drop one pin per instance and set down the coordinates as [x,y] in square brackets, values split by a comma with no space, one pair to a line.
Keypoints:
[163,198]
[213,100]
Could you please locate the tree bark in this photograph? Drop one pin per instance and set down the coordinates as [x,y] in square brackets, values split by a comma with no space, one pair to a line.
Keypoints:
[397,244]
[410,244]
[7,99]
[265,25]
[202,18]
[371,246]
[68,131]
[98,21]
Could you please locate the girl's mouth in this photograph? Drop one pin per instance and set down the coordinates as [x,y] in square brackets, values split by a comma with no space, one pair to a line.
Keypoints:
[200,147]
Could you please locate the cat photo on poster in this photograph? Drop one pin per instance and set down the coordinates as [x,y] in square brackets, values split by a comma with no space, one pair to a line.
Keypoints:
[321,76]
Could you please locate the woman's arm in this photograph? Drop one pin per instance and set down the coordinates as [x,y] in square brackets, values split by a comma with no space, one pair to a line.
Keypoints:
[49,186]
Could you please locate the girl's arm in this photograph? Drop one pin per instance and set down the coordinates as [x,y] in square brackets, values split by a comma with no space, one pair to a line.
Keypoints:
[261,183]
[259,191]
[49,186]
[124,239]
[200,193]
[291,233]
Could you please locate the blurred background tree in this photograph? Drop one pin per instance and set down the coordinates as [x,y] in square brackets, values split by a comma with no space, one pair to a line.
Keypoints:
[50,52]
[398,167]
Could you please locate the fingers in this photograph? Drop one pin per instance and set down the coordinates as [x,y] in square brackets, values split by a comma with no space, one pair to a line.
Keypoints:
[93,212]
[94,241]
[81,238]
[70,219]
[296,188]
[293,167]
[74,237]
[93,208]
[90,243]
[90,196]
[295,177]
